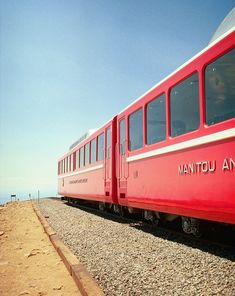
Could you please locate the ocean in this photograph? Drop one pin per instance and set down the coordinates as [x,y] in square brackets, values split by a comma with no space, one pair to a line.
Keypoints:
[5,199]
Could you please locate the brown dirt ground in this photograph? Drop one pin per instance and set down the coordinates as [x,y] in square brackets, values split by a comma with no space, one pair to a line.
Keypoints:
[29,264]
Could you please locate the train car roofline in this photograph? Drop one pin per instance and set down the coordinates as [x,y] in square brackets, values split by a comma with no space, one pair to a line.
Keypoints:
[179,68]
[226,134]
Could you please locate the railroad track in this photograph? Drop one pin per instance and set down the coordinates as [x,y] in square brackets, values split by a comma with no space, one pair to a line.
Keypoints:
[128,256]
[215,237]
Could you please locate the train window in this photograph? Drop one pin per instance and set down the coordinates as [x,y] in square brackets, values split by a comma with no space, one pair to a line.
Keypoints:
[74,164]
[71,161]
[156,120]
[220,89]
[108,142]
[69,158]
[136,130]
[81,154]
[77,159]
[122,136]
[93,151]
[101,147]
[184,105]
[87,154]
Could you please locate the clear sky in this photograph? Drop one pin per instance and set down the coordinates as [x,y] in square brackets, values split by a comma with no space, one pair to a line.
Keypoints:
[67,66]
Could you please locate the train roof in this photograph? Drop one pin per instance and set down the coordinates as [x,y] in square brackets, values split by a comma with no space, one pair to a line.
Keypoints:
[225,28]
[83,137]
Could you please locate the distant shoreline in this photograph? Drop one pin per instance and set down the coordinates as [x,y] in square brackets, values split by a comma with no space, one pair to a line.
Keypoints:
[4,200]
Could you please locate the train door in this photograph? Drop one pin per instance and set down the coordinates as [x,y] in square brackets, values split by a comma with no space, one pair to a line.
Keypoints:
[108,163]
[122,164]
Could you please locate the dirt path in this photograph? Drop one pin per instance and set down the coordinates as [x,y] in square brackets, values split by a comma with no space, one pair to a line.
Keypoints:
[29,264]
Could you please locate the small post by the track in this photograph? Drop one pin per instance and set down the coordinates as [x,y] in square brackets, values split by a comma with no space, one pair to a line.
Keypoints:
[13,195]
[38,195]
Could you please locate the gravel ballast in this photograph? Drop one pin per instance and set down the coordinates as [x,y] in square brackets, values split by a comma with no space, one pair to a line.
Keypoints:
[128,261]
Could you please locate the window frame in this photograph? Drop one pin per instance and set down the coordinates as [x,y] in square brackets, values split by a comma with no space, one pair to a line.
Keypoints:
[108,148]
[93,153]
[209,63]
[81,157]
[87,151]
[122,145]
[170,104]
[102,134]
[164,93]
[141,108]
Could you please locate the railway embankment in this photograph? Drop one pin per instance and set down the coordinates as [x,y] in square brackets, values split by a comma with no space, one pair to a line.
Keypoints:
[29,264]
[127,259]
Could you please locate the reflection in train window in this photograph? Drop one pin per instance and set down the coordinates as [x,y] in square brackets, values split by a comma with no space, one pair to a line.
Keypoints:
[93,150]
[122,136]
[77,159]
[220,89]
[81,157]
[184,106]
[87,153]
[136,130]
[101,147]
[156,120]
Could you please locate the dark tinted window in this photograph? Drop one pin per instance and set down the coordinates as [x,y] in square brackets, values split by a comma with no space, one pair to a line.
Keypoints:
[93,151]
[184,102]
[122,136]
[87,154]
[108,142]
[136,130]
[156,120]
[81,157]
[101,147]
[220,89]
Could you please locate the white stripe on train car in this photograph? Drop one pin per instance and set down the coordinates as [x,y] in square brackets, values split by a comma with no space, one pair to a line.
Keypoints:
[97,167]
[187,144]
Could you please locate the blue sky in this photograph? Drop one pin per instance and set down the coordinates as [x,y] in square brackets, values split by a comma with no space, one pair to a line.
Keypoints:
[69,66]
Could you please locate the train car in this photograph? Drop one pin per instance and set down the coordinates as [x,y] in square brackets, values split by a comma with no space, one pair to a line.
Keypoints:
[177,142]
[87,171]
[171,153]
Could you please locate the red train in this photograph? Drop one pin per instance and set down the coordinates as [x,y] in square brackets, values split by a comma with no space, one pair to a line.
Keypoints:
[170,153]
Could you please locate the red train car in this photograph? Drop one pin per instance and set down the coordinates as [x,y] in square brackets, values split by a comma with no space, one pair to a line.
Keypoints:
[88,170]
[172,151]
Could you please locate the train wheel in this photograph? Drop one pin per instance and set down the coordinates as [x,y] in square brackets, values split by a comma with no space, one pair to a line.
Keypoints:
[119,210]
[102,206]
[191,226]
[151,216]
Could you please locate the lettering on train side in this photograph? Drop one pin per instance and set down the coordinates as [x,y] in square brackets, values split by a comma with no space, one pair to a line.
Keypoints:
[197,167]
[85,180]
[205,167]
[228,165]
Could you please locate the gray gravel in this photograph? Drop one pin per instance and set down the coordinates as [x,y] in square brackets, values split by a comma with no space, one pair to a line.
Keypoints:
[128,261]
